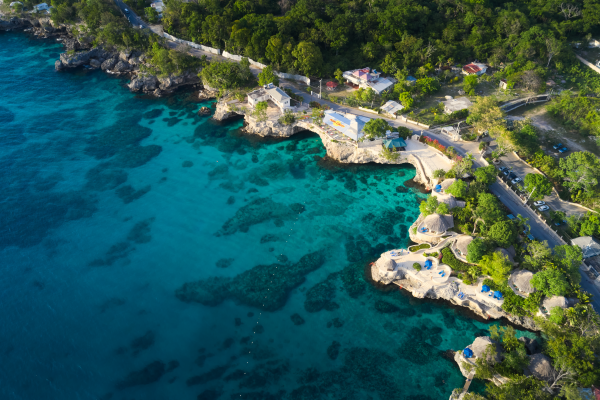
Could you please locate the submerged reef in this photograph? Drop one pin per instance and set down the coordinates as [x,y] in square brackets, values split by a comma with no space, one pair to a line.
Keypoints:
[264,286]
[149,374]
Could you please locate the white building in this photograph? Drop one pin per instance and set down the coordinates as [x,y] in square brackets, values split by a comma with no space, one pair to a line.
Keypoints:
[158,6]
[452,132]
[41,7]
[589,246]
[457,104]
[365,78]
[14,3]
[348,124]
[270,92]
[391,107]
[474,69]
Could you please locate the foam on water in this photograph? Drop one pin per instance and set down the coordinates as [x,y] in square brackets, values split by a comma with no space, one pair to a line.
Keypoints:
[112,202]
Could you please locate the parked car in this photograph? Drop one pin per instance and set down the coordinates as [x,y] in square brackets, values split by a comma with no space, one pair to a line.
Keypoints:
[506,171]
[539,203]
[530,237]
[557,146]
[543,208]
[502,169]
[516,180]
[563,150]
[512,176]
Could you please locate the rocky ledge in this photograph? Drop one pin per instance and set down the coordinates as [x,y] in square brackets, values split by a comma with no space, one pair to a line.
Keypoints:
[343,152]
[122,63]
[447,292]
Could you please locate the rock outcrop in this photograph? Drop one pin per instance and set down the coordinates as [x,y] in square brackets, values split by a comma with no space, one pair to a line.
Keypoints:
[143,83]
[341,151]
[72,60]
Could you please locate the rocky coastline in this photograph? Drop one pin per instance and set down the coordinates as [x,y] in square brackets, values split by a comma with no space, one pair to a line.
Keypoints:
[79,53]
[340,151]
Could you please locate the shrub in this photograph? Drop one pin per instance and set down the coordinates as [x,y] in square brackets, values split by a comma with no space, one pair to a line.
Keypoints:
[417,266]
[287,118]
[449,259]
[419,246]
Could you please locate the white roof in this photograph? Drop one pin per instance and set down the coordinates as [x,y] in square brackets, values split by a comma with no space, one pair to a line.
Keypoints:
[15,2]
[276,93]
[391,107]
[457,104]
[588,245]
[41,6]
[380,84]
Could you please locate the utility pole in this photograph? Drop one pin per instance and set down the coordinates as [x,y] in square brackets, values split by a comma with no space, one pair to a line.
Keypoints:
[320,80]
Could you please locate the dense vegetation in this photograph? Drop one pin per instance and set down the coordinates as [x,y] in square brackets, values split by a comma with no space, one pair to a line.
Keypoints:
[391,35]
[104,23]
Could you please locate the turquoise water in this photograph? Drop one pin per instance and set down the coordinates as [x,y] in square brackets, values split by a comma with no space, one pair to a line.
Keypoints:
[148,253]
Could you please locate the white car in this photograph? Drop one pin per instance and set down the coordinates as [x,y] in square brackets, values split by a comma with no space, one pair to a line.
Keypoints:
[516,180]
[543,208]
[539,203]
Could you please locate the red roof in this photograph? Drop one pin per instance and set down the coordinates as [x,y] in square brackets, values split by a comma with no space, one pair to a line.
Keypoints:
[471,69]
[332,84]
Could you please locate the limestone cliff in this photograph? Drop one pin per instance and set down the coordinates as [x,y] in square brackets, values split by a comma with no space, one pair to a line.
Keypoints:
[341,151]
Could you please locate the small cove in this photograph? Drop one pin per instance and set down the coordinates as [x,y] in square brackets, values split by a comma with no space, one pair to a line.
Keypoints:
[112,202]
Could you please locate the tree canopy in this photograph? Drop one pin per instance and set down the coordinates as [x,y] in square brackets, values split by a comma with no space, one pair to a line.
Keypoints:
[458,189]
[541,184]
[376,128]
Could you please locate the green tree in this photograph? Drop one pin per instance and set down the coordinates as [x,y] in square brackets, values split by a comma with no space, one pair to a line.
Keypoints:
[557,315]
[442,209]
[215,30]
[225,75]
[486,114]
[429,206]
[406,99]
[551,282]
[487,209]
[497,266]
[267,76]
[151,14]
[580,171]
[439,173]
[469,84]
[476,250]
[486,175]
[590,226]
[521,387]
[260,111]
[375,128]
[458,189]
[569,258]
[339,76]
[428,85]
[539,254]
[541,184]
[308,58]
[317,115]
[368,95]
[503,233]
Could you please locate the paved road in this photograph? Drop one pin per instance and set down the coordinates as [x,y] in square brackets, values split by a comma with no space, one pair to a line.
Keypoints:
[131,16]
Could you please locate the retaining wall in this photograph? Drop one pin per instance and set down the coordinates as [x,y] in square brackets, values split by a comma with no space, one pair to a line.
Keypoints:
[192,44]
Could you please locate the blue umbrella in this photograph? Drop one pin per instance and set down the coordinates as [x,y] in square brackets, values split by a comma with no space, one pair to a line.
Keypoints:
[485,288]
[497,294]
[438,188]
[428,263]
[468,353]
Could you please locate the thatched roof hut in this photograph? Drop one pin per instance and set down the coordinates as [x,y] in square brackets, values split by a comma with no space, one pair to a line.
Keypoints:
[449,200]
[558,301]
[388,264]
[540,367]
[481,344]
[462,243]
[438,223]
[446,183]
[510,253]
[521,279]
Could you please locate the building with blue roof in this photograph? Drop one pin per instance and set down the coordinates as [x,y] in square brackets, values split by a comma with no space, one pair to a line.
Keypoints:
[347,124]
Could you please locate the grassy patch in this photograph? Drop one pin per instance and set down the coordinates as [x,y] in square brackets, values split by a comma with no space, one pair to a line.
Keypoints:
[449,259]
[419,247]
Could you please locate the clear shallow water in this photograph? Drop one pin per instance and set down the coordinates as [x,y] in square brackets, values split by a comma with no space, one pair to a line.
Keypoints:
[112,202]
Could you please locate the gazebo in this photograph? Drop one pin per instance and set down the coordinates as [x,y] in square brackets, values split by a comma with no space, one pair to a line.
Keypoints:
[448,199]
[331,85]
[387,264]
[540,367]
[557,301]
[397,143]
[438,224]
[481,344]
[509,253]
[447,182]
[462,243]
[521,280]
